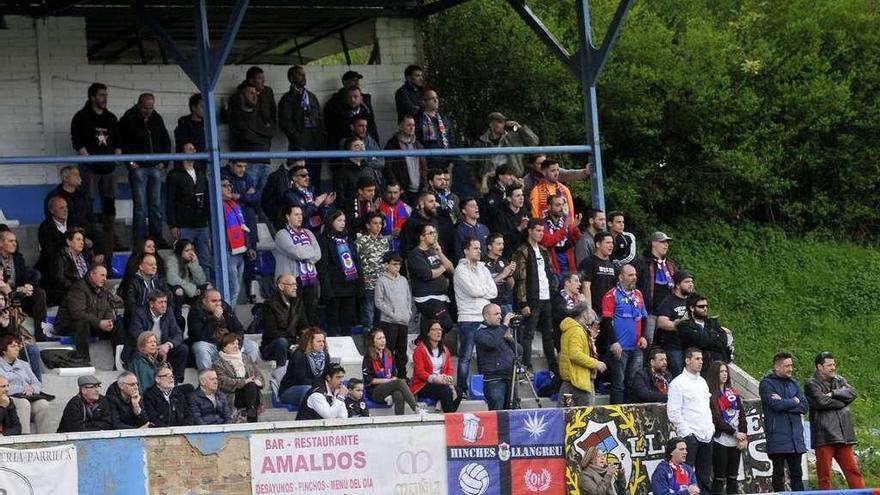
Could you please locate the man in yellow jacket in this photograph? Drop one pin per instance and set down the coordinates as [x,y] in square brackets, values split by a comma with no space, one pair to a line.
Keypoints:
[578,360]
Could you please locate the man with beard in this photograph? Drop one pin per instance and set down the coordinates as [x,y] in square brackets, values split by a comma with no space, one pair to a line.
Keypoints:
[408,98]
[426,212]
[623,313]
[560,234]
[586,245]
[511,220]
[671,312]
[447,206]
[655,279]
[408,171]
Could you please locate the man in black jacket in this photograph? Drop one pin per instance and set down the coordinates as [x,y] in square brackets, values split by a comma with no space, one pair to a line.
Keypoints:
[496,356]
[79,209]
[9,422]
[21,280]
[144,281]
[704,333]
[300,117]
[283,319]
[651,384]
[88,410]
[510,219]
[408,98]
[207,321]
[207,404]
[191,128]
[142,130]
[87,307]
[187,206]
[124,397]
[158,319]
[165,404]
[51,234]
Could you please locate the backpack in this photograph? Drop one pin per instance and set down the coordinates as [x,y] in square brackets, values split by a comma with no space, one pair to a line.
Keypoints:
[63,358]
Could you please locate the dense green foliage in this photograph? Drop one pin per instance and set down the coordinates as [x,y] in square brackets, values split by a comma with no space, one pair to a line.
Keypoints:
[748,109]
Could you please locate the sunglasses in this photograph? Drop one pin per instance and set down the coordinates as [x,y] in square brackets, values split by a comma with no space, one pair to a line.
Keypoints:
[702,306]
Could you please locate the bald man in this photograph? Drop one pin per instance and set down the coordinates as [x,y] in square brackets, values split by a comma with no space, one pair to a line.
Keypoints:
[282,320]
[623,317]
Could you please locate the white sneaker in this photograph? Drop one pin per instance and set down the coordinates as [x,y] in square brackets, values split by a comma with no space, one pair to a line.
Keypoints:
[421,411]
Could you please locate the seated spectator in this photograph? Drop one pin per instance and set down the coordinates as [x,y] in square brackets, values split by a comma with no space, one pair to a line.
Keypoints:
[207,322]
[187,207]
[560,234]
[9,422]
[134,259]
[395,213]
[548,187]
[300,116]
[124,396]
[88,307]
[207,404]
[20,282]
[10,324]
[306,366]
[375,166]
[191,128]
[371,249]
[432,370]
[578,358]
[166,405]
[185,277]
[672,311]
[79,209]
[339,274]
[70,265]
[145,361]
[394,301]
[381,378]
[651,384]
[358,207]
[301,193]
[354,402]
[428,268]
[238,377]
[283,319]
[408,98]
[511,221]
[504,133]
[408,171]
[326,399]
[338,116]
[624,242]
[703,332]
[239,242]
[597,477]
[145,280]
[675,477]
[24,388]
[296,252]
[469,227]
[88,410]
[535,173]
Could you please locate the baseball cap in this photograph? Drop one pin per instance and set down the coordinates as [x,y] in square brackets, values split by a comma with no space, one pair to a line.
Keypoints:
[351,75]
[660,237]
[87,380]
[496,116]
[680,276]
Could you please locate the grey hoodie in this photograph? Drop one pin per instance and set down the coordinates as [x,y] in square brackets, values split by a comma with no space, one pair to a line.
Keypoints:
[393,299]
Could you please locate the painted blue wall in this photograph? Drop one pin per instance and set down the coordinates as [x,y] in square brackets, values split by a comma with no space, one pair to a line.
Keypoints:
[25,203]
[114,466]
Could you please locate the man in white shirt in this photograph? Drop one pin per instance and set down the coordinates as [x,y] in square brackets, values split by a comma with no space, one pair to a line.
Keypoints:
[474,289]
[689,413]
[327,400]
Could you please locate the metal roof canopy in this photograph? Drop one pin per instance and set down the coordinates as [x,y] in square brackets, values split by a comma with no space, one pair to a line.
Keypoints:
[205,66]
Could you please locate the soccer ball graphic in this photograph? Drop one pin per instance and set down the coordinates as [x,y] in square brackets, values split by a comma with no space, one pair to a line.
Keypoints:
[473,479]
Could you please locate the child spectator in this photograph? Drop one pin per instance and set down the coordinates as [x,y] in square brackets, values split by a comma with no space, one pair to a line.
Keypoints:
[355,403]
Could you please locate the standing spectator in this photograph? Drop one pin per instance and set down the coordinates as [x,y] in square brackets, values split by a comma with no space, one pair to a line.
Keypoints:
[339,271]
[784,406]
[338,116]
[578,358]
[284,318]
[560,234]
[425,213]
[380,377]
[436,131]
[623,315]
[278,183]
[238,377]
[432,370]
[408,171]
[586,245]
[651,384]
[371,248]
[156,319]
[570,293]
[265,101]
[89,306]
[24,388]
[187,206]
[306,367]
[326,399]
[447,207]
[166,405]
[536,174]
[512,220]
[689,412]
[79,210]
[124,397]
[831,427]
[302,194]
[675,476]
[10,424]
[245,192]
[703,332]
[71,264]
[17,278]
[359,207]
[296,252]
[469,226]
[143,283]
[185,277]
[395,213]
[191,128]
[502,272]
[238,240]
[548,187]
[337,102]
[207,322]
[394,301]
[145,362]
[535,285]
[655,279]
[375,166]
[624,242]
[300,117]
[251,128]
[474,288]
[207,404]
[428,268]
[504,133]
[730,437]
[497,185]
[408,98]
[93,132]
[347,173]
[88,410]
[142,130]
[672,312]
[496,356]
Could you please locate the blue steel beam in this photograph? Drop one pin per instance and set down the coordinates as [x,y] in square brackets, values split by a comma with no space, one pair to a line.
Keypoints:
[601,57]
[182,60]
[535,24]
[591,108]
[222,53]
[69,159]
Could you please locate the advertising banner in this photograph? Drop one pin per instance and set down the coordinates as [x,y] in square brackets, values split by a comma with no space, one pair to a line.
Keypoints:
[46,471]
[506,452]
[635,437]
[398,460]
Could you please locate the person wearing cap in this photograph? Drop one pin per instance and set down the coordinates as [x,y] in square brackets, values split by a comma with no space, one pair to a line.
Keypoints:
[655,271]
[343,106]
[671,312]
[325,400]
[701,332]
[505,133]
[408,98]
[88,410]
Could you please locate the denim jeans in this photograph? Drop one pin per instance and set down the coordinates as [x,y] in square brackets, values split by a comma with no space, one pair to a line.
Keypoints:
[466,331]
[205,352]
[276,350]
[497,393]
[622,370]
[368,309]
[236,272]
[294,394]
[505,308]
[674,361]
[201,240]
[146,195]
[259,172]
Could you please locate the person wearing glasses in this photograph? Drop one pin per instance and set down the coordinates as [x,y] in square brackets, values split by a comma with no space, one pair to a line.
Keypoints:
[578,358]
[166,405]
[88,410]
[125,398]
[704,333]
[301,193]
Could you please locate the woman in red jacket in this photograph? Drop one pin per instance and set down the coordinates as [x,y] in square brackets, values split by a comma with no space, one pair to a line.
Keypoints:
[432,370]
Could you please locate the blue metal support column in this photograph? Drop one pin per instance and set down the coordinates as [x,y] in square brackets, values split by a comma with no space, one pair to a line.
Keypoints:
[535,24]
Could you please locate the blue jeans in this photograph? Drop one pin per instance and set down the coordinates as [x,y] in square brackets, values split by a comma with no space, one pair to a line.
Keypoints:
[205,352]
[201,239]
[33,354]
[497,394]
[294,394]
[674,361]
[258,172]
[622,370]
[146,195]
[466,331]
[236,272]
[368,309]
[276,350]
[505,308]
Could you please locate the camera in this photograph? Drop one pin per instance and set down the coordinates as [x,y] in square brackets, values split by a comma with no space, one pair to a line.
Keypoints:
[516,320]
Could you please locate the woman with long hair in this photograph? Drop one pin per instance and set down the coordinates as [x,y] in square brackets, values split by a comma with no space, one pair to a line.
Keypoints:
[380,377]
[305,367]
[339,272]
[597,477]
[25,390]
[146,361]
[296,252]
[185,277]
[238,374]
[433,377]
[730,429]
[148,245]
